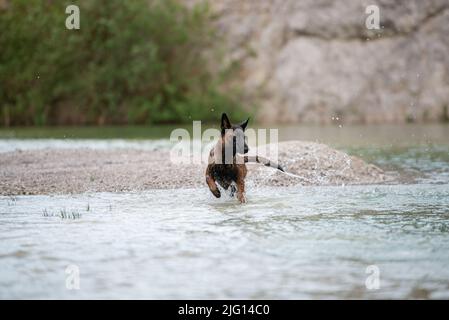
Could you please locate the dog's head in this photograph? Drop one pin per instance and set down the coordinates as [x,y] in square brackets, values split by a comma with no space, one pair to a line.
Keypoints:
[233,136]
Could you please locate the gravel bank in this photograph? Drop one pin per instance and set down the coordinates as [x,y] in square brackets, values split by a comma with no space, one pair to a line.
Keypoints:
[55,171]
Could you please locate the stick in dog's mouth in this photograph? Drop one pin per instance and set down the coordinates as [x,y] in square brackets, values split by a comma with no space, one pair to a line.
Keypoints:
[262,160]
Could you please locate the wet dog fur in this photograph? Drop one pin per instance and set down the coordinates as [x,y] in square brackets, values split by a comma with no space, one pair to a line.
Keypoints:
[227,160]
[224,167]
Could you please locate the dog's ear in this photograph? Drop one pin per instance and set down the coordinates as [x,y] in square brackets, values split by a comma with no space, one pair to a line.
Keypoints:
[225,123]
[244,124]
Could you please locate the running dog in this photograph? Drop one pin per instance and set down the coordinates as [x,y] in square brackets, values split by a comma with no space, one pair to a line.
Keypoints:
[227,160]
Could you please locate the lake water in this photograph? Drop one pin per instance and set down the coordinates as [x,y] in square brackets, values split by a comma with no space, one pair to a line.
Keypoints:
[296,242]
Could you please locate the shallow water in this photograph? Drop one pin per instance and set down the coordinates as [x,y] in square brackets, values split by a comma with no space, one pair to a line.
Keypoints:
[308,242]
[11,145]
[296,242]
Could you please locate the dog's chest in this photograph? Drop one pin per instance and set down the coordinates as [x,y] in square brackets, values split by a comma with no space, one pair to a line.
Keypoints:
[224,173]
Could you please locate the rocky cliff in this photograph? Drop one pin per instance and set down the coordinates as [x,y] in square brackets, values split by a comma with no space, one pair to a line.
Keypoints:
[315,61]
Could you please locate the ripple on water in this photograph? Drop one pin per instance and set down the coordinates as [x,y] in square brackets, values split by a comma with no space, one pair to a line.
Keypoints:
[301,242]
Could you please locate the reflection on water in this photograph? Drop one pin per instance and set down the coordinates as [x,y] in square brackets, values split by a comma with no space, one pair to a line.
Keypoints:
[308,242]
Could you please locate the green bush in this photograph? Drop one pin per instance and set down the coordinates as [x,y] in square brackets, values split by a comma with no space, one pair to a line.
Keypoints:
[136,62]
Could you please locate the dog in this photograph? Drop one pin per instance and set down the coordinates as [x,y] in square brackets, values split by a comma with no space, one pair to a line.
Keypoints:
[226,165]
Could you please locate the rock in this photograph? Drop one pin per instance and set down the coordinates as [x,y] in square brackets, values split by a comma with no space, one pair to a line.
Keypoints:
[86,170]
[314,60]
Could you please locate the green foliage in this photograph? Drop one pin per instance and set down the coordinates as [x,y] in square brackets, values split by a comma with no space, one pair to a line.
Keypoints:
[136,61]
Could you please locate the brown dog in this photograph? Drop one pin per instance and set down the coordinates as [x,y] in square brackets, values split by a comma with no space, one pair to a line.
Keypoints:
[225,166]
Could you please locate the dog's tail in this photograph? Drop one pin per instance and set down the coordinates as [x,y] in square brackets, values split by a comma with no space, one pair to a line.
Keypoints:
[262,160]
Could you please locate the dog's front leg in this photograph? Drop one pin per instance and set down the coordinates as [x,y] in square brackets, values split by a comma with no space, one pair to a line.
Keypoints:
[211,183]
[241,190]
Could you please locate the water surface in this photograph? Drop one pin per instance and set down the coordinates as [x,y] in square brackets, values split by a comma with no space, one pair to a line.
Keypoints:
[296,242]
[309,242]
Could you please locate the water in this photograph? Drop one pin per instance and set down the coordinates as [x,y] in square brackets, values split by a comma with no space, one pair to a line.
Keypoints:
[10,145]
[310,242]
[296,242]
